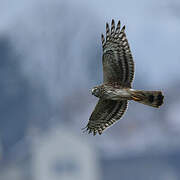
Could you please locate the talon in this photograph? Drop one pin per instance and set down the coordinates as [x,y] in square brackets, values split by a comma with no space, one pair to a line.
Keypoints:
[136,99]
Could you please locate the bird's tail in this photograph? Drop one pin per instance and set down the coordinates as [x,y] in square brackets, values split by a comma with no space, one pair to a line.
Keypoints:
[150,98]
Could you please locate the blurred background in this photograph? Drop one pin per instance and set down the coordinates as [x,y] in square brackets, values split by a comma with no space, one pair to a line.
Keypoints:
[50,58]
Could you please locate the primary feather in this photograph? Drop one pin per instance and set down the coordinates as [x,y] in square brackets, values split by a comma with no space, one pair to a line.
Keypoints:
[118,73]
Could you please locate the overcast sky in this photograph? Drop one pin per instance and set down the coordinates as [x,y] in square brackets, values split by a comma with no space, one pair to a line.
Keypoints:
[59,44]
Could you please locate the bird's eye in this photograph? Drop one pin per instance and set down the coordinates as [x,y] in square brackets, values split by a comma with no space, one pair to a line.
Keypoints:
[96,90]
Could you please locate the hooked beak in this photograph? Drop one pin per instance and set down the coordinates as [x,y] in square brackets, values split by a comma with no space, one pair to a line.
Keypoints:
[92,91]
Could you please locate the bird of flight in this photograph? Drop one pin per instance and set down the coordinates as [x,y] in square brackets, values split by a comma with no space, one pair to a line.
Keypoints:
[116,90]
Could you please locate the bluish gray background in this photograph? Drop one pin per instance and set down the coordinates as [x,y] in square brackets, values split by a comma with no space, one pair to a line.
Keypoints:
[50,57]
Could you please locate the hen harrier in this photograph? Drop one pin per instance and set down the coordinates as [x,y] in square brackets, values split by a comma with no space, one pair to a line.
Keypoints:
[118,72]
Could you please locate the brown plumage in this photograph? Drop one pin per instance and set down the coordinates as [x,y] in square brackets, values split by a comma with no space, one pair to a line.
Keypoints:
[118,74]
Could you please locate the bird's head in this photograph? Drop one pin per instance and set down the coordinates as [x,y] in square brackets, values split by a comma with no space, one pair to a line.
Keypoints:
[97,91]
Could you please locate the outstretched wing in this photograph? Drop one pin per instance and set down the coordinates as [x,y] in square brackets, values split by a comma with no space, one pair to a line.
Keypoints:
[118,65]
[105,114]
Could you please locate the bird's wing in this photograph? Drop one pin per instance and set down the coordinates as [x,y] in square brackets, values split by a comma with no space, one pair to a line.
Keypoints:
[105,114]
[118,65]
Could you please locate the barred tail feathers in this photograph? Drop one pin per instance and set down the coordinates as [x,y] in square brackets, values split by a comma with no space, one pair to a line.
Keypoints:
[150,98]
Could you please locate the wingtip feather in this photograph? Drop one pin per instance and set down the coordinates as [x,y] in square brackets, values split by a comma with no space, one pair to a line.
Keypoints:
[112,26]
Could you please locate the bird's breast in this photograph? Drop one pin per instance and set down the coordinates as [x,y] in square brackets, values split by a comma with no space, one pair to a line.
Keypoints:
[117,94]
